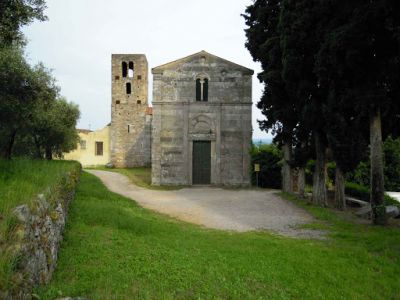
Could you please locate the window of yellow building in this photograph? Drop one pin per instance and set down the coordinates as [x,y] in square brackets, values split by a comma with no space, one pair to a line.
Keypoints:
[99,148]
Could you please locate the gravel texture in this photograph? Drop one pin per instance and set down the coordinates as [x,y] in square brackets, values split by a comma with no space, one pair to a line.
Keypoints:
[237,210]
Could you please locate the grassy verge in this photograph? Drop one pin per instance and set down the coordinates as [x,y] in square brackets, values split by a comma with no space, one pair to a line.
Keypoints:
[114,249]
[139,176]
[20,182]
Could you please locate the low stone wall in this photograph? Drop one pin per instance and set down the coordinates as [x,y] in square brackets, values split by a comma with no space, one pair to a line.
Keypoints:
[38,235]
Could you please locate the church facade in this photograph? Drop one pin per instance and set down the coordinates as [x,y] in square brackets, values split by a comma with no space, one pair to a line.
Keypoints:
[198,131]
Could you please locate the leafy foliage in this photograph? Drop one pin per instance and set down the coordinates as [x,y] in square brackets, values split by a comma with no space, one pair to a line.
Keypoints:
[32,114]
[16,13]
[361,175]
[330,70]
[269,158]
[53,127]
[17,96]
[391,148]
[363,193]
[264,44]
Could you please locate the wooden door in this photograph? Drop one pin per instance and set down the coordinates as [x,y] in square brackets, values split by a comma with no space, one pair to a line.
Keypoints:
[201,165]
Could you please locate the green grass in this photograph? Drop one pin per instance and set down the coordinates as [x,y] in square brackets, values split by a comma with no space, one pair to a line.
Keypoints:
[114,249]
[21,180]
[139,176]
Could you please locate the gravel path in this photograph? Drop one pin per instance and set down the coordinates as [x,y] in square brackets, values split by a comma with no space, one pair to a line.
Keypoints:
[238,210]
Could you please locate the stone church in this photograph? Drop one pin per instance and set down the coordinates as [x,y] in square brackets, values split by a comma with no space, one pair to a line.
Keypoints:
[198,130]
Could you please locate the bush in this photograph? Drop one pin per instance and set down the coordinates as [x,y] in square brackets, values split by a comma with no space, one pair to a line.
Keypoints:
[310,168]
[363,193]
[361,175]
[391,148]
[357,191]
[269,158]
[309,171]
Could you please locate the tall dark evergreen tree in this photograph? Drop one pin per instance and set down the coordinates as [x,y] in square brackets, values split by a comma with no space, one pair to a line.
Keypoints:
[345,127]
[360,59]
[300,34]
[331,70]
[264,44]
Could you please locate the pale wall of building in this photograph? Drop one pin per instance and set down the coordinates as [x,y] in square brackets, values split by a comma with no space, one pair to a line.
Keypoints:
[86,149]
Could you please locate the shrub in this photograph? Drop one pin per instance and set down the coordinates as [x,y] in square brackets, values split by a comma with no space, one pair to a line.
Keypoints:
[357,191]
[391,148]
[363,193]
[269,158]
[309,171]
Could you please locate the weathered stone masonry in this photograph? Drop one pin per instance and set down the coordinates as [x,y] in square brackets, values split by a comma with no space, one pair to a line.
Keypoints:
[199,131]
[38,234]
[181,117]
[130,128]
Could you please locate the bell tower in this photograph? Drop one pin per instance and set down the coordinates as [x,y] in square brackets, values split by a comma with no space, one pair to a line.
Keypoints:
[130,138]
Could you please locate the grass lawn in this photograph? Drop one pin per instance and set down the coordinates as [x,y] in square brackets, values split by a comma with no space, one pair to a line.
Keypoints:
[114,249]
[20,182]
[139,176]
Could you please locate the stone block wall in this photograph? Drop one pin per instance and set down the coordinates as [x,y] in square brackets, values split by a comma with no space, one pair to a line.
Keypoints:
[130,141]
[179,120]
[38,236]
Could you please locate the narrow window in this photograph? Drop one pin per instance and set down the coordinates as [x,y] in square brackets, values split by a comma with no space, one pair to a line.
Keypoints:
[205,90]
[130,71]
[198,90]
[128,88]
[83,144]
[202,89]
[129,128]
[124,69]
[99,148]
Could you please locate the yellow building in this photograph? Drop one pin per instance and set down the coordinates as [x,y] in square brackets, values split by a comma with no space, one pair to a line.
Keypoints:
[93,148]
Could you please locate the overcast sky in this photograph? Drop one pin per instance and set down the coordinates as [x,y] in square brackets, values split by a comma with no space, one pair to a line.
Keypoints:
[80,36]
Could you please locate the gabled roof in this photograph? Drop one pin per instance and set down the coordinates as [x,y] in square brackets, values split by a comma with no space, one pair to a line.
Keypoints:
[211,57]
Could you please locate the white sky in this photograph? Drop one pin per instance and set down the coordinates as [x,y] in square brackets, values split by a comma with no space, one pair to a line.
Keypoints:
[80,36]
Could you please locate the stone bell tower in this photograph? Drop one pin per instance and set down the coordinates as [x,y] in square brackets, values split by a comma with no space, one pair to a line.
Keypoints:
[130,122]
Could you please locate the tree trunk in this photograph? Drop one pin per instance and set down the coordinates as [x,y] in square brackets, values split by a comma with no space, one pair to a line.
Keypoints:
[301,182]
[38,150]
[319,187]
[6,153]
[287,185]
[340,197]
[49,154]
[377,179]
